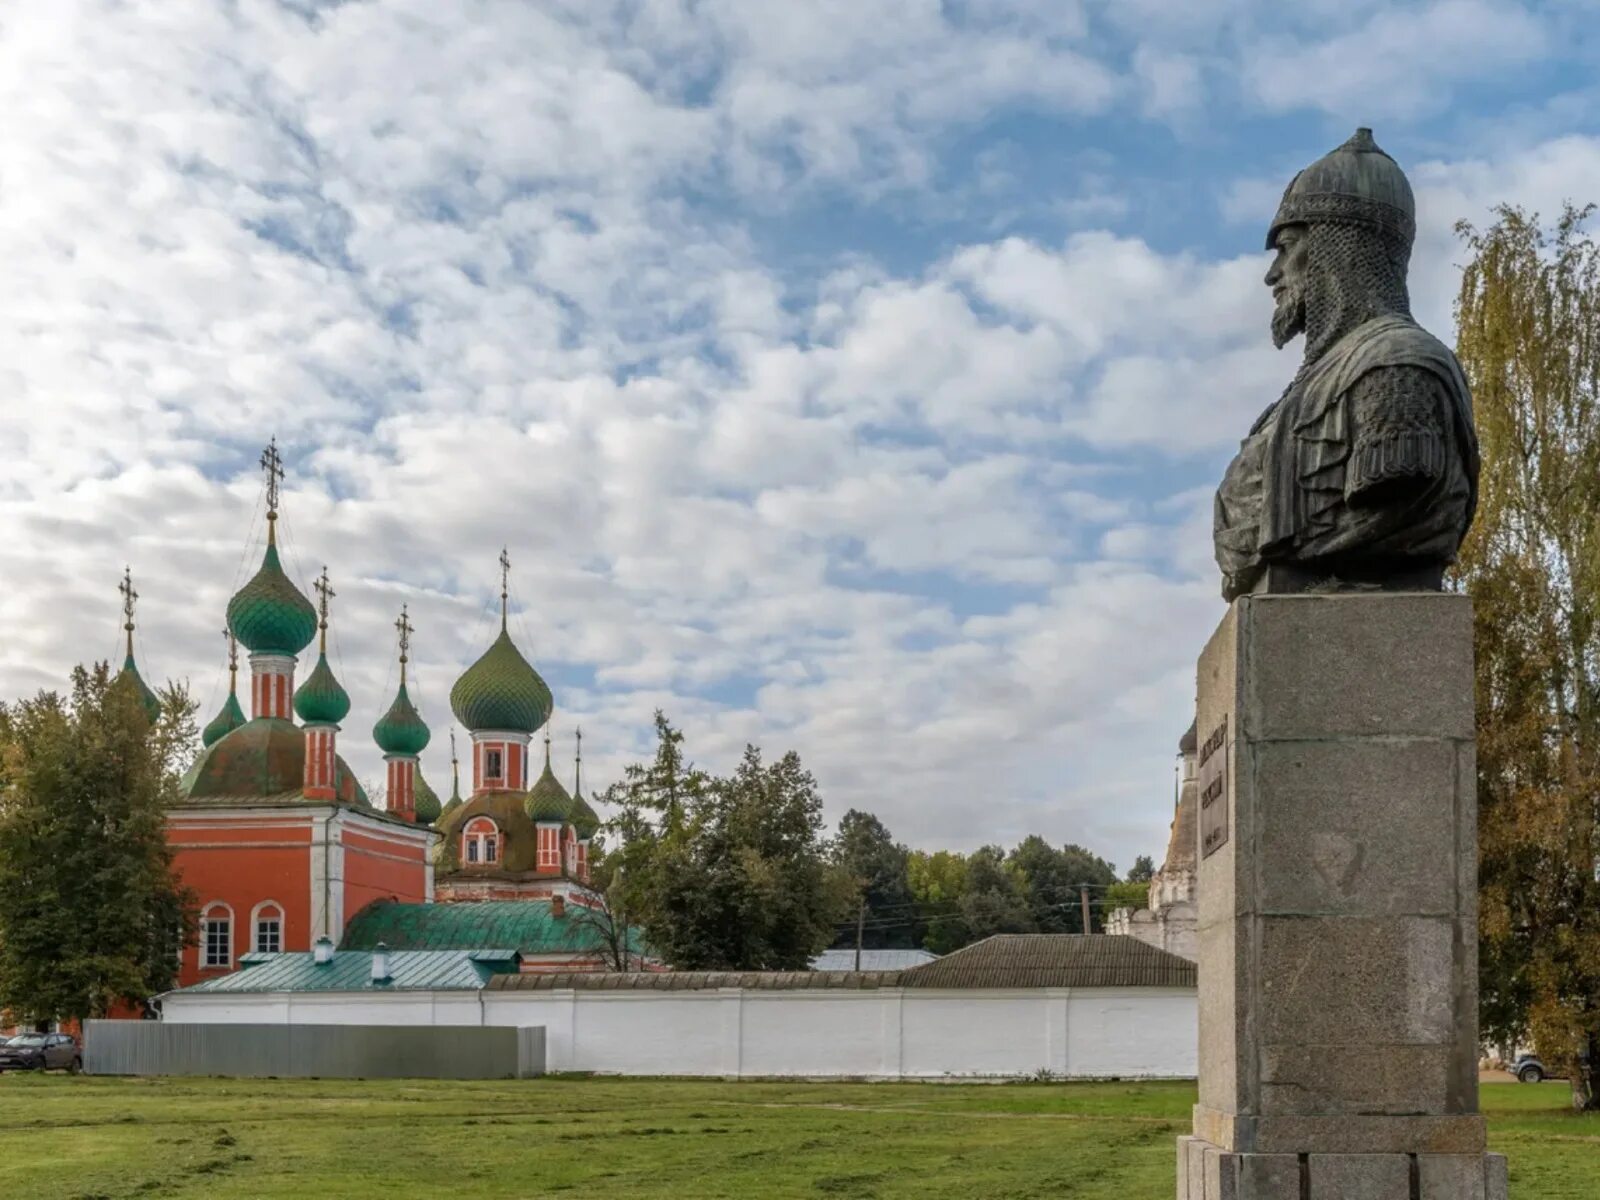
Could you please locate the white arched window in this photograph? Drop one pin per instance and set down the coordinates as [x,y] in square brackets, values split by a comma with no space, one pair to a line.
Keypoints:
[266,924]
[480,842]
[216,935]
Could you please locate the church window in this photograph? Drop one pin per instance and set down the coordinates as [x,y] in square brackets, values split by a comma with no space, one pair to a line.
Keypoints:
[216,936]
[268,929]
[493,765]
[481,841]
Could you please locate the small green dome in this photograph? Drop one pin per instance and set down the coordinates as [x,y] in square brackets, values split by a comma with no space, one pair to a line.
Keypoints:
[224,723]
[268,614]
[584,819]
[501,691]
[455,801]
[401,730]
[129,677]
[320,700]
[547,799]
[427,801]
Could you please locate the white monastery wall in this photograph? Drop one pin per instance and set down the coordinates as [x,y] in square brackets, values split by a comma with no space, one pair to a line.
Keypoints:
[884,1033]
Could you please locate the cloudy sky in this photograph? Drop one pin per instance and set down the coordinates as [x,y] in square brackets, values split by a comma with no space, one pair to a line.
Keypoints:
[843,375]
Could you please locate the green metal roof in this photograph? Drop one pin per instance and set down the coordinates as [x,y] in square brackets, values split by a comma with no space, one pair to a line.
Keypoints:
[321,698]
[401,730]
[351,971]
[263,759]
[269,615]
[527,926]
[225,722]
[501,691]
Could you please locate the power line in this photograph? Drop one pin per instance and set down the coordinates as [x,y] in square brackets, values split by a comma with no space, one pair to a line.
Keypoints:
[901,922]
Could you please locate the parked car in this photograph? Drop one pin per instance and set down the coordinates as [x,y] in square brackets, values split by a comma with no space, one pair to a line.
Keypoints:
[1528,1069]
[41,1052]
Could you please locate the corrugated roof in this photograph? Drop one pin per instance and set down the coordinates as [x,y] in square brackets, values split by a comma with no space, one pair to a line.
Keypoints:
[871,960]
[351,971]
[528,926]
[693,981]
[1024,960]
[1020,960]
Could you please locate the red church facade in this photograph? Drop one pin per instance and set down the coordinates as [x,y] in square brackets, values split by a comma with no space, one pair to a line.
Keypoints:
[271,880]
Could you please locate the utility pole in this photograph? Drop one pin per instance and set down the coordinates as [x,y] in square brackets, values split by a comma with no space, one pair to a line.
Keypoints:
[1083,897]
[861,921]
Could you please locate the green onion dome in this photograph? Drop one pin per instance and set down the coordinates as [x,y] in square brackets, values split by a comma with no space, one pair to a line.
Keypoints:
[426,800]
[320,700]
[501,691]
[129,677]
[268,614]
[584,819]
[401,729]
[225,722]
[547,800]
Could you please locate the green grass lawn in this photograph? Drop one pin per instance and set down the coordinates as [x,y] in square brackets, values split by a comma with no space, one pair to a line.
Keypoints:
[65,1137]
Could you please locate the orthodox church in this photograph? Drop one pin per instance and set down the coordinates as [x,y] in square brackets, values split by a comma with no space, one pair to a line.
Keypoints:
[1170,920]
[278,840]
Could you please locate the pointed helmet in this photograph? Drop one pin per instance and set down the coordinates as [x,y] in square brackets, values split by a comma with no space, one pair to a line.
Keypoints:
[1356,184]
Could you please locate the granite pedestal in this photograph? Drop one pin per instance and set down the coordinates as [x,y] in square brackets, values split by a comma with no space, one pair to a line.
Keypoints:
[1338,905]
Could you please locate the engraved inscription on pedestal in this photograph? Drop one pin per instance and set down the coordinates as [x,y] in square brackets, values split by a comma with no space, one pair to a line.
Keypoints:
[1213,783]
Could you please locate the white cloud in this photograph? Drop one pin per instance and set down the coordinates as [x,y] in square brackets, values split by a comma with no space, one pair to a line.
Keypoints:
[488,272]
[1170,84]
[1402,62]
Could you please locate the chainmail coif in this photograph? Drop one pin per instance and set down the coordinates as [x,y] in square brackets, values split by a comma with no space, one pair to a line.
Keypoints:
[1352,275]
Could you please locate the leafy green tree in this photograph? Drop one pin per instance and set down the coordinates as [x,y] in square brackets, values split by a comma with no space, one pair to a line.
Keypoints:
[90,911]
[1052,879]
[873,869]
[1529,339]
[724,874]
[650,802]
[938,884]
[1143,869]
[996,899]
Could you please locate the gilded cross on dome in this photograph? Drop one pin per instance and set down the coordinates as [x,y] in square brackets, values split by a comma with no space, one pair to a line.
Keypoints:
[272,464]
[325,593]
[505,583]
[405,629]
[129,599]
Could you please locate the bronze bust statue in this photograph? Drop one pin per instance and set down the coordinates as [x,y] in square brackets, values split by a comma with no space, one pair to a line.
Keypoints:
[1364,473]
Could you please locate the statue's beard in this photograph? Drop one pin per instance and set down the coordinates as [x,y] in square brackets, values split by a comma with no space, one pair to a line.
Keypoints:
[1289,317]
